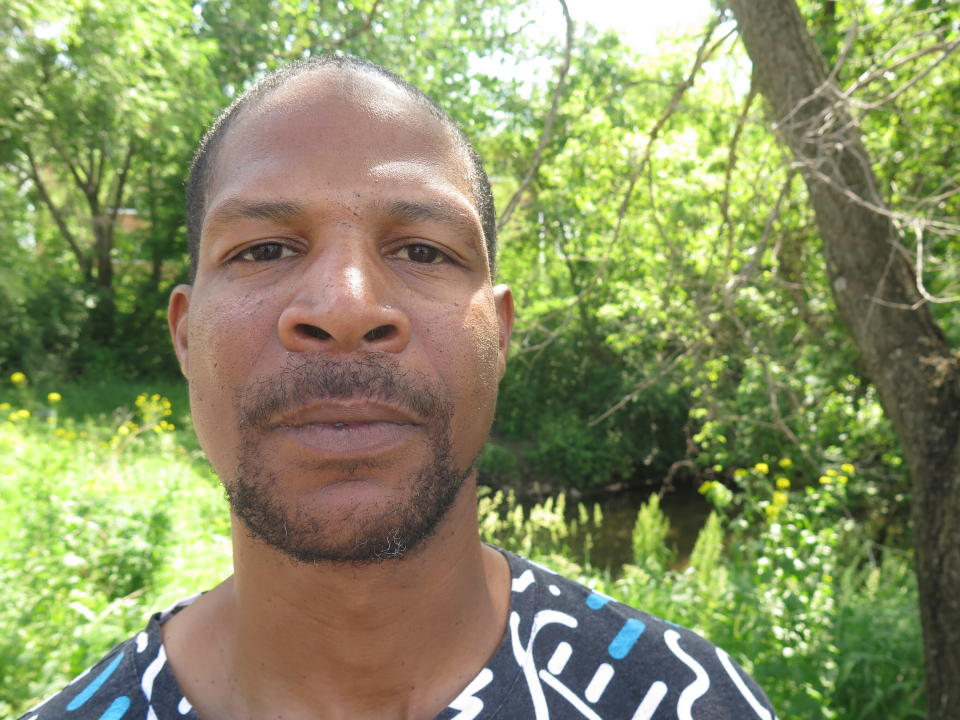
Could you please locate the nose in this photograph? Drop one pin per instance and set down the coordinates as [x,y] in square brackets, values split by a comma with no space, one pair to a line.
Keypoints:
[341,303]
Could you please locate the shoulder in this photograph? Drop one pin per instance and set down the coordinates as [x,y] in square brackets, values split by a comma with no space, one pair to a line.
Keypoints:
[109,688]
[619,661]
[131,680]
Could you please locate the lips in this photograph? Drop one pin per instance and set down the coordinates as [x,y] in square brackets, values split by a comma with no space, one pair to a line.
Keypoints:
[344,430]
[346,413]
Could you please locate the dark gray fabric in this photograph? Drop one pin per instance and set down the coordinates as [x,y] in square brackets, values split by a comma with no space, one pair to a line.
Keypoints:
[568,653]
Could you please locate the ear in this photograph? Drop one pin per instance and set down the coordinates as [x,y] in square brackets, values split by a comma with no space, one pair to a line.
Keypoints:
[503,298]
[178,314]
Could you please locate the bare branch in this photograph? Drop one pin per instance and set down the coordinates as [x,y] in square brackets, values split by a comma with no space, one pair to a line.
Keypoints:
[704,51]
[55,212]
[362,27]
[942,225]
[878,72]
[121,182]
[551,118]
[648,383]
[728,175]
[913,81]
[918,230]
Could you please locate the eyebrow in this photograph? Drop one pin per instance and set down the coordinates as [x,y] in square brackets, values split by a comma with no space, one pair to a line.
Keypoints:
[236,209]
[434,211]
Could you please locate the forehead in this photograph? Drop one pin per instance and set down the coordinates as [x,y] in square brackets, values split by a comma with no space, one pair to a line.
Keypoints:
[347,123]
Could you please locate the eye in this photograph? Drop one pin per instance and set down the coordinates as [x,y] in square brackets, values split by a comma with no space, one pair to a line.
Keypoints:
[423,254]
[265,252]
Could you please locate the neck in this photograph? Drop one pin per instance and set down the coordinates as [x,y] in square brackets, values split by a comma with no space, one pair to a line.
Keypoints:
[396,639]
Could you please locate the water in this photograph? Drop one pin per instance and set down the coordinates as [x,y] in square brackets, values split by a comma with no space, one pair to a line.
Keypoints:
[685,508]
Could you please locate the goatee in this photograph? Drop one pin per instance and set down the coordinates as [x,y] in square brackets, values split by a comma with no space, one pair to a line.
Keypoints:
[364,534]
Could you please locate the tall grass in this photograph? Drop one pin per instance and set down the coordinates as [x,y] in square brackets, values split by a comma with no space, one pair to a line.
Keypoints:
[107,517]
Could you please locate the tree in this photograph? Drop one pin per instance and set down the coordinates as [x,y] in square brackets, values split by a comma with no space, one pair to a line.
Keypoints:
[879,297]
[91,90]
[104,103]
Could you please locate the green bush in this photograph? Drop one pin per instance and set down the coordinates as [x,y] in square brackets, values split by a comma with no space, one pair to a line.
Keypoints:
[101,523]
[496,464]
[104,521]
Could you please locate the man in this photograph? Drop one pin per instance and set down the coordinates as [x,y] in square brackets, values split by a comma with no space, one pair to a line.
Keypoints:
[343,343]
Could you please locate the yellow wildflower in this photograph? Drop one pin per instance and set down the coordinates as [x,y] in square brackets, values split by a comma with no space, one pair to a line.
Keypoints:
[842,479]
[786,463]
[824,480]
[762,468]
[783,483]
[831,472]
[848,468]
[780,499]
[4,406]
[739,473]
[54,397]
[18,378]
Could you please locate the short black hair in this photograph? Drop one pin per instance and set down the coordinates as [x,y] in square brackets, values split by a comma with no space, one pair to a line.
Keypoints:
[206,154]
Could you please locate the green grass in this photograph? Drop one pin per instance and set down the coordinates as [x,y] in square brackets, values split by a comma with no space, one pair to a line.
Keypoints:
[108,513]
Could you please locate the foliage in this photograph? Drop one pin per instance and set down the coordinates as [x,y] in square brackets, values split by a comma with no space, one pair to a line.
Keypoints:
[105,520]
[649,537]
[101,520]
[675,320]
[673,306]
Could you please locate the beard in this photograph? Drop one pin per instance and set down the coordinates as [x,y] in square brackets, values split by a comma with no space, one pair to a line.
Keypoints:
[361,535]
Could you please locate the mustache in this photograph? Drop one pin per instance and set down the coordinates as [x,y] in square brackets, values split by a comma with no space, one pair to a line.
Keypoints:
[375,377]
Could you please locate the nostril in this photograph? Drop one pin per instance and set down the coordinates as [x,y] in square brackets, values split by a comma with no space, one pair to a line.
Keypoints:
[379,333]
[313,331]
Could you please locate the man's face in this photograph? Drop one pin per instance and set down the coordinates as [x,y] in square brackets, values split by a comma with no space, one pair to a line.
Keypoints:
[342,341]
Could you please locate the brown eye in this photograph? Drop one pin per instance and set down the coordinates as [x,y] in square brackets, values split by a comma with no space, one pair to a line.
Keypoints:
[265,252]
[424,254]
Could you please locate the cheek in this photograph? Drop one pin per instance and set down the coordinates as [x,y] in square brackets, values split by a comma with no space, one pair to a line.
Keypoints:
[469,360]
[226,338]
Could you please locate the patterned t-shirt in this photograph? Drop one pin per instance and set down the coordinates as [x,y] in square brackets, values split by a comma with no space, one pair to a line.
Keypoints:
[568,653]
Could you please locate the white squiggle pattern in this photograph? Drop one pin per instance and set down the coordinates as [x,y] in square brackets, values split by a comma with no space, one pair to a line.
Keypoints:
[569,695]
[651,701]
[150,674]
[468,705]
[558,661]
[698,687]
[184,706]
[142,641]
[759,709]
[518,585]
[524,656]
[169,612]
[598,683]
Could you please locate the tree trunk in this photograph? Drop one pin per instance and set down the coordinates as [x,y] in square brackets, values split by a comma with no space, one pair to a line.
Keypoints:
[916,373]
